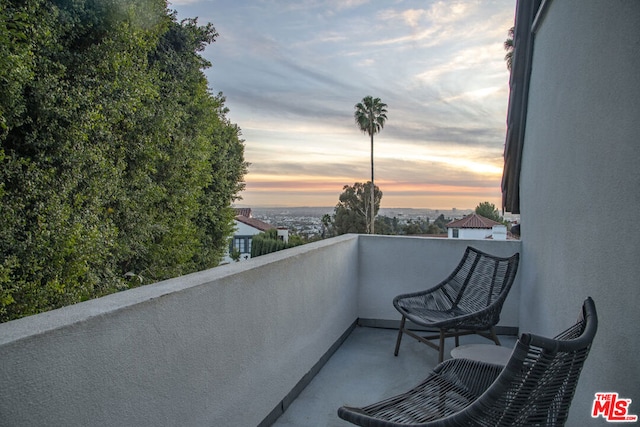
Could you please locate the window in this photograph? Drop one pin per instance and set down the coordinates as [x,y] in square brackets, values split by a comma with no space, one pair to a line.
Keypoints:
[242,244]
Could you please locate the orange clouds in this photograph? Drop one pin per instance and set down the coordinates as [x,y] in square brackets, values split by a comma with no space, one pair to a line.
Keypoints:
[300,191]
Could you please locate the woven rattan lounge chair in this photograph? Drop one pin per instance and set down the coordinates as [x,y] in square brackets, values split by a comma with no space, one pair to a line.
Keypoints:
[469,301]
[535,388]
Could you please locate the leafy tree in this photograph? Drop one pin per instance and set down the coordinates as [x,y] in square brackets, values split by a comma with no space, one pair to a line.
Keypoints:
[488,210]
[509,47]
[434,229]
[296,239]
[118,167]
[370,116]
[326,226]
[439,225]
[352,212]
[388,226]
[419,226]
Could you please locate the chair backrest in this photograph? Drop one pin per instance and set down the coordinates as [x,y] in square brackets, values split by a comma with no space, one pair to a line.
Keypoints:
[481,280]
[537,385]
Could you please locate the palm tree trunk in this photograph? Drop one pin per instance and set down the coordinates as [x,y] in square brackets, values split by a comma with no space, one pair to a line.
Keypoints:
[371,228]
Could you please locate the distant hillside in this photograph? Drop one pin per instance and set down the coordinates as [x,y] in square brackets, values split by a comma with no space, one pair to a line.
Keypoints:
[389,212]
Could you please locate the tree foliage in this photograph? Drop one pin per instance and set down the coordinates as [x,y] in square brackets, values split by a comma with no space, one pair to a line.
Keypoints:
[440,224]
[116,160]
[392,226]
[509,46]
[488,210]
[352,212]
[418,226]
[388,226]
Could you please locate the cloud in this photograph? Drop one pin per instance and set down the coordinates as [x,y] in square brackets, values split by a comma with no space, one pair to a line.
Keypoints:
[292,72]
[440,14]
[447,12]
[412,17]
[476,95]
[432,26]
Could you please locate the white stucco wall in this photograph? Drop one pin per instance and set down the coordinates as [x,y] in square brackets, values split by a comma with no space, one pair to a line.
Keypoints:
[390,266]
[217,348]
[243,229]
[469,233]
[498,232]
[580,189]
[283,233]
[474,233]
[222,347]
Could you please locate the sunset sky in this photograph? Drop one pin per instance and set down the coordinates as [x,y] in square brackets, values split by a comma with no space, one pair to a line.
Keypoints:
[292,72]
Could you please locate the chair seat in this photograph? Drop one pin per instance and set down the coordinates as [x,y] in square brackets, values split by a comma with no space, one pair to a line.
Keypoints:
[427,317]
[450,388]
[449,319]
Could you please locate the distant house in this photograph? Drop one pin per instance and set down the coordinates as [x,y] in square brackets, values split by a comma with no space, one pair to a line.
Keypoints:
[476,227]
[246,227]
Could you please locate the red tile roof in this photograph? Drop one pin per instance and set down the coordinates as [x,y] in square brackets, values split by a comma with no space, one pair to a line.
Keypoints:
[244,212]
[255,223]
[473,221]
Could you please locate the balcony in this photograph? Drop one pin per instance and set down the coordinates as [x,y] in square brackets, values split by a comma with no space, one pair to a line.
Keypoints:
[235,345]
[363,371]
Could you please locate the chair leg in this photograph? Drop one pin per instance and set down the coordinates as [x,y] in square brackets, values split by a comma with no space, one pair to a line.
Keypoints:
[441,349]
[399,335]
[494,336]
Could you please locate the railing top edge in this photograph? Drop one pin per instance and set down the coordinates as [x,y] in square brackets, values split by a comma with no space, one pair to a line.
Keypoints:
[65,316]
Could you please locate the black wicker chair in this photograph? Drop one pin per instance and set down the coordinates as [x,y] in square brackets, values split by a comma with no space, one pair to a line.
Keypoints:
[535,388]
[469,301]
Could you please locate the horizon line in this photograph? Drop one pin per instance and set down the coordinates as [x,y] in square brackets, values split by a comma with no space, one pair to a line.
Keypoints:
[332,207]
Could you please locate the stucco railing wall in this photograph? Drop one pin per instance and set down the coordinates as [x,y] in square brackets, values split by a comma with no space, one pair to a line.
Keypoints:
[229,346]
[390,266]
[218,347]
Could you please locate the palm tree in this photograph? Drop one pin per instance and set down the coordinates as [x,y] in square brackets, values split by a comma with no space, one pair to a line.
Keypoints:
[370,116]
[509,46]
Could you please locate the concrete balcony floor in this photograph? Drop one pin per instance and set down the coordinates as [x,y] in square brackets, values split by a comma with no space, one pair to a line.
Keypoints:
[363,371]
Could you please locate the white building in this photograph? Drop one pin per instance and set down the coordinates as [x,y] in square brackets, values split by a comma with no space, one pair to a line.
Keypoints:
[476,227]
[246,227]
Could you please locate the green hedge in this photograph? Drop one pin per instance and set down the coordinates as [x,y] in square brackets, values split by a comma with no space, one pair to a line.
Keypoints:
[267,242]
[118,167]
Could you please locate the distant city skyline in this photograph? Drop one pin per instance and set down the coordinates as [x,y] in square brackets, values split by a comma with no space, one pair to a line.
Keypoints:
[293,71]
